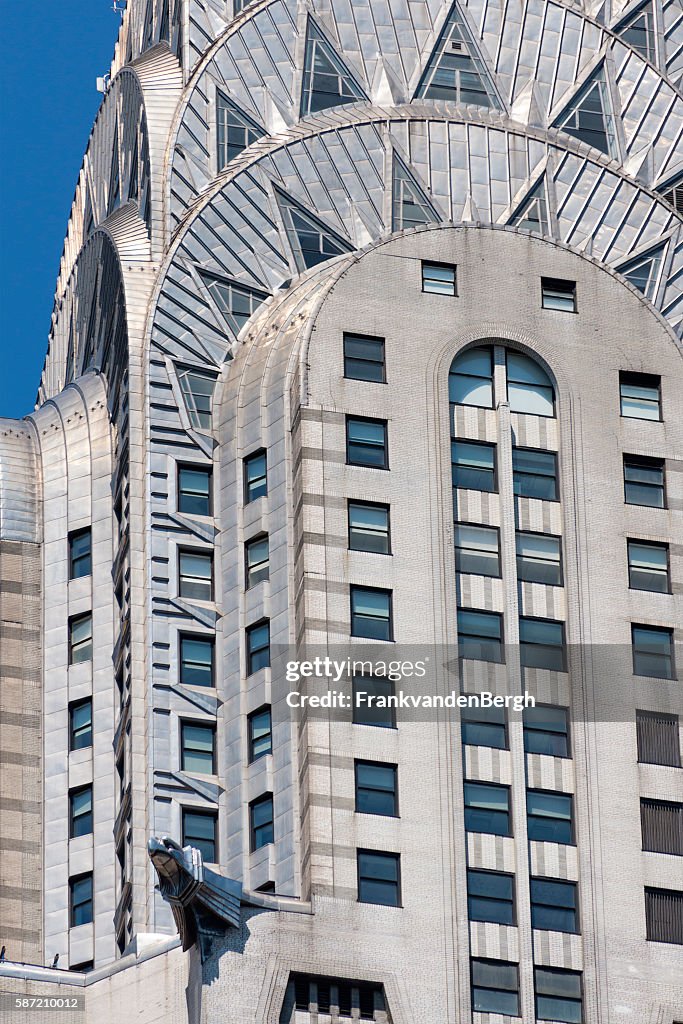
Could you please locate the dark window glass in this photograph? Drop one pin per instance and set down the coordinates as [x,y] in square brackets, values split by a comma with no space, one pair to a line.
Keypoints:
[657,738]
[541,644]
[197,389]
[257,560]
[477,550]
[199,830]
[539,558]
[495,987]
[195,575]
[439,279]
[490,897]
[194,490]
[546,730]
[648,566]
[662,826]
[480,635]
[470,381]
[260,734]
[644,481]
[534,473]
[553,905]
[255,476]
[196,661]
[80,724]
[640,395]
[653,652]
[484,727]
[80,639]
[197,748]
[549,816]
[376,788]
[258,647]
[487,808]
[558,995]
[473,466]
[311,992]
[80,554]
[558,294]
[366,443]
[234,130]
[664,915]
[369,527]
[364,358]
[379,878]
[261,821]
[371,695]
[80,812]
[80,901]
[371,613]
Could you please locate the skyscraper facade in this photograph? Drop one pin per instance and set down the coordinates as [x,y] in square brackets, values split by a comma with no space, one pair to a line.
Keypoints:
[366,344]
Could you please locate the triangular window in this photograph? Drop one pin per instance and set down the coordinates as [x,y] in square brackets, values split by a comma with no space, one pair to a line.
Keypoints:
[234,130]
[589,116]
[115,175]
[672,192]
[456,70]
[197,389]
[133,176]
[312,241]
[643,271]
[235,301]
[638,30]
[532,215]
[410,204]
[327,82]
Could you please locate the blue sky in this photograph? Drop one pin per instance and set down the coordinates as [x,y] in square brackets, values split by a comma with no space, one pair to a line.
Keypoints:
[53,53]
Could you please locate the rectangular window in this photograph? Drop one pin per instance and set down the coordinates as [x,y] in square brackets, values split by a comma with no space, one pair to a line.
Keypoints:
[258,647]
[376,788]
[653,652]
[371,702]
[199,830]
[80,554]
[640,395]
[484,727]
[553,905]
[371,613]
[558,294]
[80,639]
[257,560]
[495,987]
[480,635]
[369,527]
[259,727]
[644,481]
[379,878]
[439,278]
[487,808]
[80,724]
[534,474]
[366,442]
[546,730]
[364,358]
[558,995]
[80,812]
[261,821]
[80,900]
[255,476]
[662,826]
[195,575]
[477,549]
[549,816]
[541,644]
[196,661]
[648,566]
[473,466]
[194,490]
[197,748]
[658,740]
[539,558]
[490,897]
[664,915]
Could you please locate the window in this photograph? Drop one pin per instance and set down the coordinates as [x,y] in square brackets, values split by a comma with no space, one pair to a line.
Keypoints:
[653,652]
[546,730]
[439,278]
[379,878]
[480,635]
[376,788]
[80,724]
[495,987]
[194,490]
[366,443]
[557,294]
[539,558]
[644,481]
[558,995]
[197,390]
[234,130]
[195,575]
[657,738]
[640,395]
[364,358]
[199,830]
[261,821]
[553,905]
[259,727]
[327,81]
[255,476]
[473,465]
[662,826]
[484,727]
[664,915]
[477,549]
[313,993]
[534,474]
[369,527]
[470,381]
[258,647]
[80,554]
[257,560]
[80,639]
[487,808]
[529,387]
[196,661]
[541,644]
[648,566]
[371,701]
[80,812]
[80,900]
[371,614]
[490,897]
[197,748]
[549,816]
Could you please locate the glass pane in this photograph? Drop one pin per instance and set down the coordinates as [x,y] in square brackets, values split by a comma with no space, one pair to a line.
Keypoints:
[489,910]
[531,399]
[378,866]
[482,796]
[196,662]
[470,391]
[370,602]
[494,975]
[539,631]
[489,883]
[558,983]
[477,537]
[552,805]
[483,624]
[492,1001]
[484,734]
[375,689]
[561,1010]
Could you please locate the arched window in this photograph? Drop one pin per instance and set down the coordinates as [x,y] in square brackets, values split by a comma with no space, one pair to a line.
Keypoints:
[528,389]
[470,381]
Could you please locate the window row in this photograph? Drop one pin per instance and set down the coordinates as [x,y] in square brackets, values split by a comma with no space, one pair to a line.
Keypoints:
[558,992]
[549,815]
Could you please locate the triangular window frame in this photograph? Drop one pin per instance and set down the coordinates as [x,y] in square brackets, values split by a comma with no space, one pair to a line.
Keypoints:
[241,121]
[657,255]
[597,80]
[317,42]
[649,49]
[291,210]
[455,46]
[215,285]
[402,179]
[538,193]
